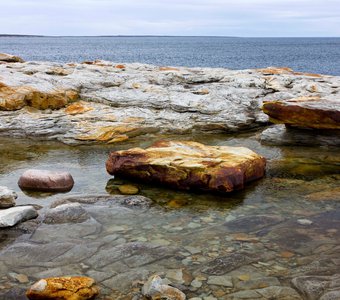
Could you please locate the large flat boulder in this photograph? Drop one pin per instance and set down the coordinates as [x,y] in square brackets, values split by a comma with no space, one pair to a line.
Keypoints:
[305,112]
[10,58]
[189,165]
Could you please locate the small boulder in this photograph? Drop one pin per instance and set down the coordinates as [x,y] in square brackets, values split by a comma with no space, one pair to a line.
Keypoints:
[155,289]
[10,58]
[11,216]
[46,181]
[128,189]
[7,197]
[63,288]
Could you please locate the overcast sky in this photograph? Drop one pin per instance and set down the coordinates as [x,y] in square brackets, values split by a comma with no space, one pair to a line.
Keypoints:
[172,17]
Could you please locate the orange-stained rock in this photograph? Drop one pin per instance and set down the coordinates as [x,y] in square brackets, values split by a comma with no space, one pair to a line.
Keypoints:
[63,288]
[168,69]
[14,98]
[10,58]
[120,66]
[189,165]
[305,112]
[78,108]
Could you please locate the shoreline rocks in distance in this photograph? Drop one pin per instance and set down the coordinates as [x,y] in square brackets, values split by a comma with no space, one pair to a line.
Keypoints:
[189,165]
[9,58]
[46,181]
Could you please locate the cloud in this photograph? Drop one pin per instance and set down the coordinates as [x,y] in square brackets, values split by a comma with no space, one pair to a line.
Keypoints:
[176,17]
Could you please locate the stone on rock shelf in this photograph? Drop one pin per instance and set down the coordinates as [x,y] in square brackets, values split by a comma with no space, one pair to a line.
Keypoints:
[11,216]
[63,288]
[305,112]
[47,181]
[10,58]
[189,165]
[7,197]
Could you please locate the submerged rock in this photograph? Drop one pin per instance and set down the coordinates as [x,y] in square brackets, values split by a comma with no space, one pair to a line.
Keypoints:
[66,213]
[305,112]
[155,289]
[128,189]
[47,181]
[7,197]
[63,288]
[189,165]
[11,216]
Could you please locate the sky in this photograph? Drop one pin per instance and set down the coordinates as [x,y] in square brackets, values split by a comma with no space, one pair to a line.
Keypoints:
[246,18]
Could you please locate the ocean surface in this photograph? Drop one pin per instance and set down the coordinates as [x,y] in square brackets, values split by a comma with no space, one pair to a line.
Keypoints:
[316,55]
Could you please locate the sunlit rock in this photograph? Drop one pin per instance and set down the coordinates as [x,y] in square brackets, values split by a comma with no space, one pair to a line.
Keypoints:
[13,215]
[305,112]
[7,197]
[189,165]
[10,58]
[63,288]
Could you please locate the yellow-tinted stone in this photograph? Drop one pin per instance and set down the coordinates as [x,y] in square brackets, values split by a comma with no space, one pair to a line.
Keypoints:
[128,189]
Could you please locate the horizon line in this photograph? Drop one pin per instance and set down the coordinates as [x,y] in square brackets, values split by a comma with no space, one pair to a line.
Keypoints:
[156,35]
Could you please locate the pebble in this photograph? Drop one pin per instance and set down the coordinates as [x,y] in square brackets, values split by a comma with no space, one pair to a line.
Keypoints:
[304,222]
[196,283]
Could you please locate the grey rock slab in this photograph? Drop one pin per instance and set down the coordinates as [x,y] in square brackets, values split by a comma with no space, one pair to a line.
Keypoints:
[280,135]
[13,215]
[225,280]
[7,197]
[66,213]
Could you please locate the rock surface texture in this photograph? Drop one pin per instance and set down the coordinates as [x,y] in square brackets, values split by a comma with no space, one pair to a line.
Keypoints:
[44,180]
[104,102]
[11,216]
[4,57]
[7,197]
[189,165]
[63,288]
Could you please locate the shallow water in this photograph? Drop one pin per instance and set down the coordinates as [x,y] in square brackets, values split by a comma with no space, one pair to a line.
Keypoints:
[260,222]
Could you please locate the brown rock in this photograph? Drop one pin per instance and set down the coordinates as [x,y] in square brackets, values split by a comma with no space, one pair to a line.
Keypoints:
[189,165]
[328,195]
[128,189]
[168,69]
[78,108]
[10,58]
[63,288]
[305,112]
[44,180]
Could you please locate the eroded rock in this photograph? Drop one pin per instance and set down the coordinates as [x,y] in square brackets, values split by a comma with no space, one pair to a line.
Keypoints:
[63,288]
[44,180]
[10,58]
[7,197]
[189,165]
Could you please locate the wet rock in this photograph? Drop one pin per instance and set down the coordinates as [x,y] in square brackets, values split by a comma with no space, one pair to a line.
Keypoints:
[220,280]
[128,189]
[10,58]
[272,292]
[7,197]
[11,216]
[66,213]
[252,223]
[189,165]
[225,264]
[305,112]
[258,283]
[63,288]
[155,289]
[47,181]
[328,195]
[280,135]
[318,287]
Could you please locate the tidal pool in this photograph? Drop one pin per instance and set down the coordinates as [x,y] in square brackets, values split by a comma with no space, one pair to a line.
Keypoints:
[252,242]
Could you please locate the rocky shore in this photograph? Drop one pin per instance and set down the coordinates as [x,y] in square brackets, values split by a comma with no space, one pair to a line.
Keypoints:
[104,102]
[278,239]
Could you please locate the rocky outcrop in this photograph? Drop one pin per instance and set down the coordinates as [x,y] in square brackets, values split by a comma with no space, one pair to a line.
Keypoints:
[189,165]
[305,112]
[11,216]
[10,58]
[105,102]
[63,288]
[7,197]
[44,180]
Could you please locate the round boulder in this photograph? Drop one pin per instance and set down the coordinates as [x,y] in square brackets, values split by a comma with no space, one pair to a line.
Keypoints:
[46,181]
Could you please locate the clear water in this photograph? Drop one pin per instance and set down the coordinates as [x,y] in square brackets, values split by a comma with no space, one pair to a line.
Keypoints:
[315,55]
[194,221]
